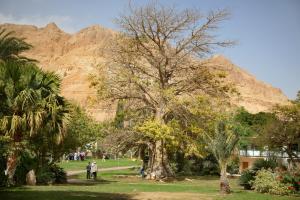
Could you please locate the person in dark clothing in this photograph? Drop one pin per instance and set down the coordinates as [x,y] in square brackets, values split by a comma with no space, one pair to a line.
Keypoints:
[88,171]
[142,172]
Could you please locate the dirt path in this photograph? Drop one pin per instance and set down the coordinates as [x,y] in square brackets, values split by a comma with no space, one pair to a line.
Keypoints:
[71,173]
[171,196]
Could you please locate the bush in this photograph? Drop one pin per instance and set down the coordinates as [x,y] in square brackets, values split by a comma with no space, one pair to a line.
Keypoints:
[291,178]
[51,174]
[264,164]
[293,181]
[194,165]
[265,182]
[44,176]
[3,177]
[26,163]
[247,178]
[233,167]
[59,175]
[3,153]
[208,166]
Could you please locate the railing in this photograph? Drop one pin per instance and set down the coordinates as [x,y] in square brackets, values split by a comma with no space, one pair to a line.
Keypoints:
[258,153]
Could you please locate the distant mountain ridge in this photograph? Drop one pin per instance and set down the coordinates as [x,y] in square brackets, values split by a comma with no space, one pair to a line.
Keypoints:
[75,56]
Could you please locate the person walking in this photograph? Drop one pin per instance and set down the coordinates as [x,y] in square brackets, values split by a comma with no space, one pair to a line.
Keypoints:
[88,171]
[94,170]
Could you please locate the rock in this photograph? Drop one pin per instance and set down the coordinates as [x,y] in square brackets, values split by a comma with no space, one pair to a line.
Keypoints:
[75,56]
[31,178]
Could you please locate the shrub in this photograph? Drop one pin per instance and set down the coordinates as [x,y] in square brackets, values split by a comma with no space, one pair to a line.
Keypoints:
[26,163]
[291,178]
[44,176]
[51,174]
[3,177]
[196,166]
[265,182]
[264,164]
[59,175]
[3,153]
[208,166]
[247,178]
[233,166]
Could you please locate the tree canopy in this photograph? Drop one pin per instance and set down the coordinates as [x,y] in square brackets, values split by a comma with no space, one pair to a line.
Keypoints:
[157,59]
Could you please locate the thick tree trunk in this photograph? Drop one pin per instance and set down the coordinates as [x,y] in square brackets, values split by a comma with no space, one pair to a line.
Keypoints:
[224,183]
[160,163]
[160,167]
[11,166]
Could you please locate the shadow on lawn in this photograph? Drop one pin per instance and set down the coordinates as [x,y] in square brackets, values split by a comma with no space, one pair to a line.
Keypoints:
[83,182]
[61,195]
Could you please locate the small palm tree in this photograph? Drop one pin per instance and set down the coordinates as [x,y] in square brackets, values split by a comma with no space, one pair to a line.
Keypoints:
[11,47]
[29,100]
[222,144]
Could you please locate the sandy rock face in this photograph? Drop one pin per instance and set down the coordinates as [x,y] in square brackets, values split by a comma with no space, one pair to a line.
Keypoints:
[75,56]
[255,95]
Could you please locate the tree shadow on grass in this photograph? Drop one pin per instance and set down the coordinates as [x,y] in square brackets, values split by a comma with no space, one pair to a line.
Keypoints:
[62,195]
[88,182]
[191,178]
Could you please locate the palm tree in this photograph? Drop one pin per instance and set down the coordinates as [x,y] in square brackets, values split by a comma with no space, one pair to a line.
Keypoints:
[28,100]
[222,144]
[11,47]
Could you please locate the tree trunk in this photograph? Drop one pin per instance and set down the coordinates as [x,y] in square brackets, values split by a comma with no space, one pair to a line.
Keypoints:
[224,183]
[11,166]
[160,163]
[292,156]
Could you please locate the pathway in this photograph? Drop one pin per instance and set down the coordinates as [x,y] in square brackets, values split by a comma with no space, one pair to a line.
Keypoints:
[75,172]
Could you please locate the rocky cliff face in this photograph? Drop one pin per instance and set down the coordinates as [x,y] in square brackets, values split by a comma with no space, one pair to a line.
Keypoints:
[75,56]
[255,95]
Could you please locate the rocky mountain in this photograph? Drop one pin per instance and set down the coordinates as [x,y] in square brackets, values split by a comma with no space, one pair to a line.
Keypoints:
[75,56]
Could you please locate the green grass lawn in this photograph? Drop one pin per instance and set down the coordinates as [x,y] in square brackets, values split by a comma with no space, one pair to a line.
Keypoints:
[73,165]
[125,184]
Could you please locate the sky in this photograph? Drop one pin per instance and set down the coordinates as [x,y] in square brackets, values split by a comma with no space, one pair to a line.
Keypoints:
[267,31]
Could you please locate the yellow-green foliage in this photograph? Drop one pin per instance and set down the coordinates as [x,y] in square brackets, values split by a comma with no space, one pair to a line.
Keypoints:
[266,182]
[160,131]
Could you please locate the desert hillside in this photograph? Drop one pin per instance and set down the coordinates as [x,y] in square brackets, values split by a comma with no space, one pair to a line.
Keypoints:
[75,56]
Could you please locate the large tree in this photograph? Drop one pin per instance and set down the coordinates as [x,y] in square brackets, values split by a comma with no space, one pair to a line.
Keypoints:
[158,58]
[283,131]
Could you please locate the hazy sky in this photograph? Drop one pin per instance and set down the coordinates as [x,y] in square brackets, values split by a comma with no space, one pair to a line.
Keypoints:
[267,31]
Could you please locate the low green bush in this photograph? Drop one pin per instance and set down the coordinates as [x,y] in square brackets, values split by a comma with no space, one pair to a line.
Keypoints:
[59,175]
[4,141]
[51,174]
[3,177]
[267,182]
[209,166]
[234,166]
[246,179]
[44,176]
[26,163]
[291,178]
[264,164]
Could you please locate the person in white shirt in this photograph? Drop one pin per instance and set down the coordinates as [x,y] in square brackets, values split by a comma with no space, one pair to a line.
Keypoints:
[94,170]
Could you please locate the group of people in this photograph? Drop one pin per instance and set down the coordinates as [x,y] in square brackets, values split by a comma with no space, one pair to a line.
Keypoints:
[91,170]
[77,156]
